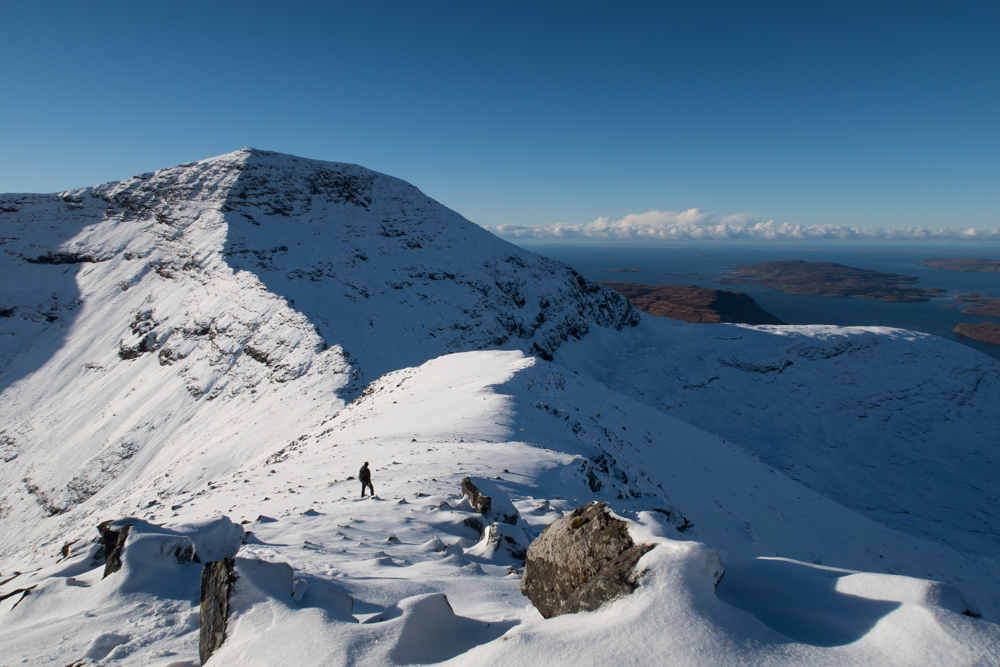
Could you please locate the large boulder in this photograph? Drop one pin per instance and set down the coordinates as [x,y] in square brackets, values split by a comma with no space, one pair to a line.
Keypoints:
[581,561]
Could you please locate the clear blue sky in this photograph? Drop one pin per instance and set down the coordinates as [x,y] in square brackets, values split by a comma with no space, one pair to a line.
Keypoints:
[858,113]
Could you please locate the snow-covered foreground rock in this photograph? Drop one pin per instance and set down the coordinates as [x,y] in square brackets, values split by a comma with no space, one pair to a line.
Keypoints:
[193,344]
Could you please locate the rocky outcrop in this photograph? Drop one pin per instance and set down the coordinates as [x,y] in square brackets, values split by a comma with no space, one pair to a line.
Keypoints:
[580,562]
[114,543]
[487,499]
[216,583]
[233,586]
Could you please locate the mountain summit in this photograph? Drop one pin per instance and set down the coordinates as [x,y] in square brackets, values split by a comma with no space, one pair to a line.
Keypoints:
[232,277]
[235,337]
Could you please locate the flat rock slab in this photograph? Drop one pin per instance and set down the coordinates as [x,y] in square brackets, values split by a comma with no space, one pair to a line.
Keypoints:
[580,562]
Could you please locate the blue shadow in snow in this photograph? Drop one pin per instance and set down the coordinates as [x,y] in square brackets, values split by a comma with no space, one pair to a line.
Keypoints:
[801,601]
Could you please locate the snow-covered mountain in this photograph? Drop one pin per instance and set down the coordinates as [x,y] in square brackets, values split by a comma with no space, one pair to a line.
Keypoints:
[235,336]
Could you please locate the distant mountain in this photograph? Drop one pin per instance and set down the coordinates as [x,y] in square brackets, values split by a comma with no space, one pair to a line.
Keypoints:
[236,336]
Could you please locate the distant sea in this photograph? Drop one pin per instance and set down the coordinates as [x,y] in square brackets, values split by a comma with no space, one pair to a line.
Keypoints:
[702,265]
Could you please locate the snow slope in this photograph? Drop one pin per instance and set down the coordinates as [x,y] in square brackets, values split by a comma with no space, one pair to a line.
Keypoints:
[396,555]
[899,425]
[164,345]
[195,342]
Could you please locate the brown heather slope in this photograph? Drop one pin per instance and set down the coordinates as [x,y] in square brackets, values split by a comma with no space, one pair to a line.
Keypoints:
[976,264]
[829,279]
[698,305]
[987,332]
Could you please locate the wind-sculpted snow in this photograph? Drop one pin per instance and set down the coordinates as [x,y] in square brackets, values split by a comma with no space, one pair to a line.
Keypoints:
[236,336]
[330,578]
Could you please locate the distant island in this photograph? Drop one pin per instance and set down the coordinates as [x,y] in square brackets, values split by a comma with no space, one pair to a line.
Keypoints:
[622,270]
[698,305]
[829,279]
[986,332]
[982,305]
[962,264]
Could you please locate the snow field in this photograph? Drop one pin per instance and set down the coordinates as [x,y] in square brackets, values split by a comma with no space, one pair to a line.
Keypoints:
[399,555]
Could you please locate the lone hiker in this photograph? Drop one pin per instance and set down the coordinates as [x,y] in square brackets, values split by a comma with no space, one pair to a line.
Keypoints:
[365,475]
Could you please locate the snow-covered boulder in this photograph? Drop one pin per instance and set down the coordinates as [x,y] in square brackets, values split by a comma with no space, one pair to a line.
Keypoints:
[581,561]
[201,541]
[501,542]
[214,539]
[489,500]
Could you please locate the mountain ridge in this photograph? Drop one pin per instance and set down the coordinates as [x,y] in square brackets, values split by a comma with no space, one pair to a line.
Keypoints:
[228,336]
[264,262]
[214,328]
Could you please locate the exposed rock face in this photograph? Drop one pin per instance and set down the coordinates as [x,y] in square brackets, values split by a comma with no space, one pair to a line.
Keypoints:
[480,503]
[495,505]
[216,583]
[580,562]
[114,542]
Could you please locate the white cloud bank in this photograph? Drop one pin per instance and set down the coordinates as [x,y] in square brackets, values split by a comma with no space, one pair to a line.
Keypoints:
[696,225]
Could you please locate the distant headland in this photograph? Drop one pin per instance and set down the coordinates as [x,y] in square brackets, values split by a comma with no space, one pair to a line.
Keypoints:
[986,332]
[962,264]
[830,279]
[698,305]
[981,305]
